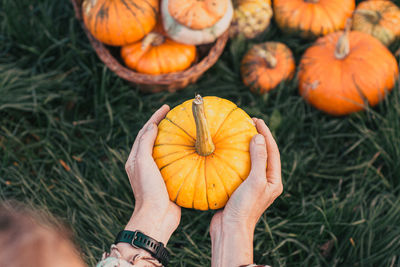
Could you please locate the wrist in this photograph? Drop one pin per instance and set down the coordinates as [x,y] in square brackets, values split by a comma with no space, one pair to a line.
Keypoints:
[155,222]
[153,226]
[237,231]
[230,222]
[137,239]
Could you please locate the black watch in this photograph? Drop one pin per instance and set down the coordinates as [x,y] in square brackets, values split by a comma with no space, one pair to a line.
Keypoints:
[139,240]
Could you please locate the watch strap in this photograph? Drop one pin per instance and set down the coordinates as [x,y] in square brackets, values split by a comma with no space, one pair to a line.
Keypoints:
[139,240]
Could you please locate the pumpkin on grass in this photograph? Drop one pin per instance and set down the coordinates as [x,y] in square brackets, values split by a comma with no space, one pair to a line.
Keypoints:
[157,54]
[266,65]
[381,19]
[119,22]
[312,18]
[196,21]
[345,71]
[202,151]
[250,17]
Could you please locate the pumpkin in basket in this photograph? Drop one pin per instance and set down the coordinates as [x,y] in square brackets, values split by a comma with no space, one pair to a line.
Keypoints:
[250,17]
[381,19]
[202,151]
[196,22]
[312,18]
[344,72]
[119,22]
[157,54]
[266,65]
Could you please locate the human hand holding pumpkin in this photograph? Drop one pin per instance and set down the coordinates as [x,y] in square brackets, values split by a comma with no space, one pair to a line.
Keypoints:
[232,229]
[154,214]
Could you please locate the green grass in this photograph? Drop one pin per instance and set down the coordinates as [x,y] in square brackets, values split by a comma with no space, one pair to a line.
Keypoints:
[59,102]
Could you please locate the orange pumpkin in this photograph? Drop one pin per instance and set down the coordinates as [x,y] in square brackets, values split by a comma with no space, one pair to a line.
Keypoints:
[343,72]
[266,65]
[202,151]
[119,22]
[381,19]
[157,54]
[250,17]
[312,18]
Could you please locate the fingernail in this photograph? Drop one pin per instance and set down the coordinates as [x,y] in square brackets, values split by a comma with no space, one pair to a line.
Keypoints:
[259,140]
[150,127]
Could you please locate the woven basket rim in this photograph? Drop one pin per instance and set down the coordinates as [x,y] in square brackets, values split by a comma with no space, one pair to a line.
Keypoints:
[161,79]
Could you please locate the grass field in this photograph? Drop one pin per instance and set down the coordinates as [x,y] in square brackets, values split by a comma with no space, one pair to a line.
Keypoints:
[60,104]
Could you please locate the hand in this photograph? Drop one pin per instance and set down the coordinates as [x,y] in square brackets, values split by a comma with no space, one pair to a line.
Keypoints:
[154,214]
[263,185]
[247,203]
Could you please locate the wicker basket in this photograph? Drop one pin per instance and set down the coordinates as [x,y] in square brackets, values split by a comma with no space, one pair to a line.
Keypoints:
[155,83]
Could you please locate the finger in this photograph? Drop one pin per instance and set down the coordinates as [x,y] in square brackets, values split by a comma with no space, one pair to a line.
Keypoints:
[258,155]
[274,161]
[159,115]
[254,120]
[146,143]
[155,118]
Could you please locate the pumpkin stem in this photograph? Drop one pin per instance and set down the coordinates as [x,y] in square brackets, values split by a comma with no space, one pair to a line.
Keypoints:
[153,39]
[267,56]
[371,15]
[343,44]
[204,143]
[311,1]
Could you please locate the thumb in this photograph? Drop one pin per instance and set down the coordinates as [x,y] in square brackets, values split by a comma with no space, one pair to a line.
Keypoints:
[146,142]
[258,155]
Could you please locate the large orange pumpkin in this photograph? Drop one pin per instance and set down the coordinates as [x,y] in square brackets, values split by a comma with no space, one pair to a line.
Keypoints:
[381,19]
[343,72]
[157,54]
[266,65]
[119,22]
[312,18]
[202,151]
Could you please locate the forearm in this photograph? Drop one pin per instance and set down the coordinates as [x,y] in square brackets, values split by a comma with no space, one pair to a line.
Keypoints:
[232,246]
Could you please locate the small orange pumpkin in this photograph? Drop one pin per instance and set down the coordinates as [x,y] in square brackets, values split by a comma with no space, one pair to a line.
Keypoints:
[312,18]
[157,54]
[119,22]
[381,19]
[202,151]
[343,72]
[266,65]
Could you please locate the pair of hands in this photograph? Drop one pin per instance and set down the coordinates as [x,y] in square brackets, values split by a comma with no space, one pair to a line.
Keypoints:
[157,216]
